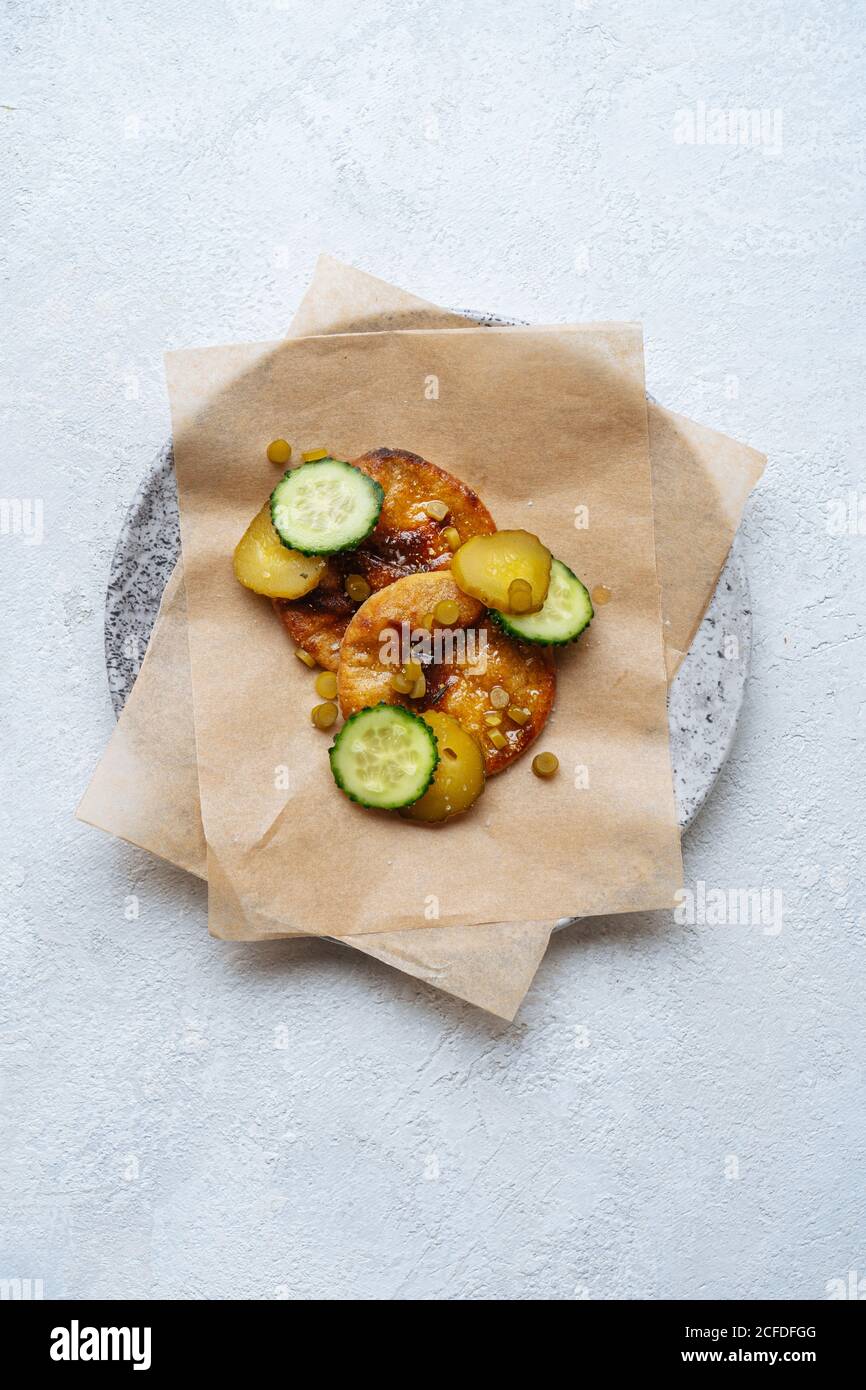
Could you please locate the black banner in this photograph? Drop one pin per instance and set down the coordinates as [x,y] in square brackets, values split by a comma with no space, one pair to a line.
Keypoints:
[158,1338]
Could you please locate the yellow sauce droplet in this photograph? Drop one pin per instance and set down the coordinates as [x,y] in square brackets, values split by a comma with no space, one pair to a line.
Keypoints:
[446,611]
[436,509]
[451,537]
[601,595]
[545,764]
[279,451]
[357,588]
[326,685]
[520,595]
[323,716]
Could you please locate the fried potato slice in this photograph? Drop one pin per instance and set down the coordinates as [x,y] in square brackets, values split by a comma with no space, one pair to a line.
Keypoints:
[462,663]
[405,541]
[527,673]
[368,661]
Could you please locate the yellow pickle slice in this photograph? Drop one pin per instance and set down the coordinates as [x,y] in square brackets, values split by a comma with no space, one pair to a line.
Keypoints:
[509,571]
[262,563]
[459,778]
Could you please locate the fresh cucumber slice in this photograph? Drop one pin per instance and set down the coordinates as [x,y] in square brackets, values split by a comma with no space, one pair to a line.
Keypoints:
[566,611]
[384,756]
[325,506]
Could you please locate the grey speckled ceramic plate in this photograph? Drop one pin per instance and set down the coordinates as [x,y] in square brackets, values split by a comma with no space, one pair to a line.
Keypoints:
[704,701]
[703,704]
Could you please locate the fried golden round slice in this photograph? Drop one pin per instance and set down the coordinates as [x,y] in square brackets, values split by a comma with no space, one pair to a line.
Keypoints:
[463,662]
[389,631]
[526,673]
[422,502]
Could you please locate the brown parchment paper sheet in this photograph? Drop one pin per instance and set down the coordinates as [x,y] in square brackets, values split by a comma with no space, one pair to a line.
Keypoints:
[147,783]
[541,422]
[145,789]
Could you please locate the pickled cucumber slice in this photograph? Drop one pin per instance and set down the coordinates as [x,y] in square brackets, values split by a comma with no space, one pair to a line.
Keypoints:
[459,779]
[487,566]
[566,612]
[325,506]
[262,563]
[384,756]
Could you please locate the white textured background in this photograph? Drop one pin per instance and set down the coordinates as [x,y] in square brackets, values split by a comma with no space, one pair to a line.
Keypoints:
[170,173]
